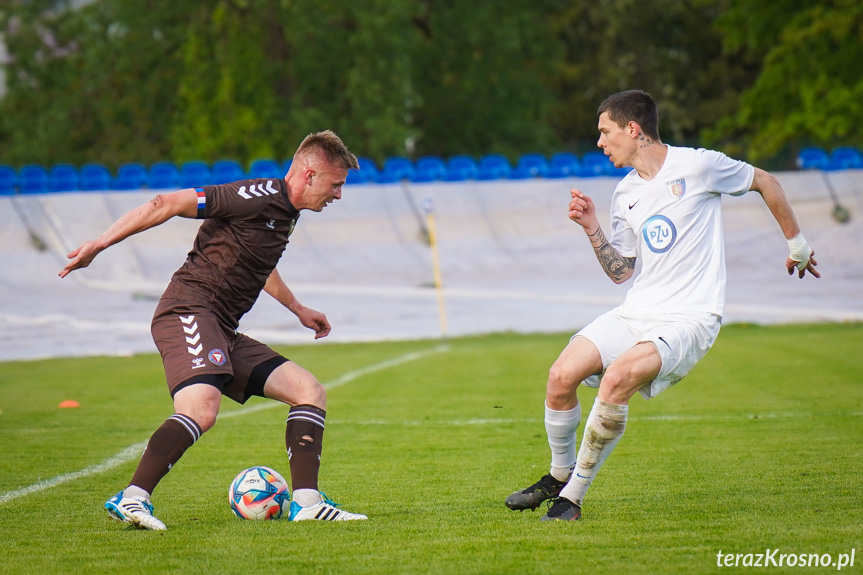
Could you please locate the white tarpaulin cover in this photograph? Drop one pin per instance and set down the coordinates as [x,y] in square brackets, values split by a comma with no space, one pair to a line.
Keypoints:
[510,261]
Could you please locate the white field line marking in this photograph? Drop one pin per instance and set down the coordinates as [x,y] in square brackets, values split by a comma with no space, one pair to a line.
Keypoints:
[133,451]
[538,420]
[118,459]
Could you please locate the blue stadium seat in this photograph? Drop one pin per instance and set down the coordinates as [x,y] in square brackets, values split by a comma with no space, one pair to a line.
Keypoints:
[354,177]
[429,169]
[94,177]
[8,180]
[265,169]
[813,159]
[564,165]
[226,171]
[163,175]
[131,176]
[846,158]
[461,168]
[32,179]
[530,166]
[619,172]
[493,167]
[368,172]
[596,164]
[395,170]
[63,178]
[194,174]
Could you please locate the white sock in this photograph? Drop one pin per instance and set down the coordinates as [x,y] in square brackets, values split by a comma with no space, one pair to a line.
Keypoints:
[561,427]
[135,491]
[306,497]
[604,428]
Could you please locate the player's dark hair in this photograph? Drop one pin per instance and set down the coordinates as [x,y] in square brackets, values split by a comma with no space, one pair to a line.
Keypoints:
[332,147]
[633,106]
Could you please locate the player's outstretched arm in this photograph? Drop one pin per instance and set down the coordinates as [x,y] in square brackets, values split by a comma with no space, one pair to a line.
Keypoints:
[157,211]
[801,255]
[583,212]
[310,318]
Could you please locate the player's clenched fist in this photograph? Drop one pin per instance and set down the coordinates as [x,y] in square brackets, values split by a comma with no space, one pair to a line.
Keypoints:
[581,208]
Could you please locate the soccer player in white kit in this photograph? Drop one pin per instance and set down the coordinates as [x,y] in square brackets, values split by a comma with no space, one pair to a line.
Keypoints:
[666,213]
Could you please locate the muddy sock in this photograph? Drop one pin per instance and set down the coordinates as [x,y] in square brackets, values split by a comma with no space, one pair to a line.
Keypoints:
[604,428]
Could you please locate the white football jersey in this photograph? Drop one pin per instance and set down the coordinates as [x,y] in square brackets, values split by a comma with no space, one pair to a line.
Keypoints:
[673,225]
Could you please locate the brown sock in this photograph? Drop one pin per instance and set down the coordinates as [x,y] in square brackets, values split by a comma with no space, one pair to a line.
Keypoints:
[304,440]
[165,448]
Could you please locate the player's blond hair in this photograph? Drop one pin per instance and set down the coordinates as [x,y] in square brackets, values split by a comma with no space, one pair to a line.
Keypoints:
[331,147]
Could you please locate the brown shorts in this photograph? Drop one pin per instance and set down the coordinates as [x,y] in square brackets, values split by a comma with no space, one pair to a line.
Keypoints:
[197,348]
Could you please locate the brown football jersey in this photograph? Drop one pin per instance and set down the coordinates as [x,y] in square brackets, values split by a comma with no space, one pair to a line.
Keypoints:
[245,230]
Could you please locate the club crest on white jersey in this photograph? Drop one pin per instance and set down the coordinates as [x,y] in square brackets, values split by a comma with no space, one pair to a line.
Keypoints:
[677,188]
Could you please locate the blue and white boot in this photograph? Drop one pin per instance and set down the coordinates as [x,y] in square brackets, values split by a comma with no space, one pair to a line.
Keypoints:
[324,510]
[134,510]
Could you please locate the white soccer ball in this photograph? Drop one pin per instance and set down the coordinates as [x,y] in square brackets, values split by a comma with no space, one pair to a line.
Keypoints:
[259,493]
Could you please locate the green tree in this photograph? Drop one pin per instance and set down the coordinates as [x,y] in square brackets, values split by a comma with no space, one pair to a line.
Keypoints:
[226,105]
[142,80]
[351,65]
[484,71]
[810,83]
[94,84]
[669,48]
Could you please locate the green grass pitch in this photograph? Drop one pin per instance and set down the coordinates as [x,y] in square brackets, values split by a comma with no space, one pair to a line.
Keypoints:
[761,447]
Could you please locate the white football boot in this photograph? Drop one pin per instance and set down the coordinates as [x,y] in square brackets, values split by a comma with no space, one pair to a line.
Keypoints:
[135,510]
[324,510]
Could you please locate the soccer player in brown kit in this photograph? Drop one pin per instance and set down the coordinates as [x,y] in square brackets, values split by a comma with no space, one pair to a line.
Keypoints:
[245,230]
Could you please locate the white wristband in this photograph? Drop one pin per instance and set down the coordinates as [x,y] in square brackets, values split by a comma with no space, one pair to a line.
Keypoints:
[800,251]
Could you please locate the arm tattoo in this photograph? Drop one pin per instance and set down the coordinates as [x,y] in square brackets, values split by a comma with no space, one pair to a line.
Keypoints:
[615,265]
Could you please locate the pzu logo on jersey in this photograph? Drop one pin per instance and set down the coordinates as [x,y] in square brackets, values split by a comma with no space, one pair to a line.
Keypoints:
[659,234]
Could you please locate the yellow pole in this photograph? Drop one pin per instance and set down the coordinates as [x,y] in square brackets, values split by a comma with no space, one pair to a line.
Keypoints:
[438,283]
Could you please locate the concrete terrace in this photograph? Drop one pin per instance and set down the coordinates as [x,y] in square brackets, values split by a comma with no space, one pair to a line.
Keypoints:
[510,260]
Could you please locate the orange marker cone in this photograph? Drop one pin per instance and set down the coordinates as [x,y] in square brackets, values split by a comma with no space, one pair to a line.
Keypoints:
[69,403]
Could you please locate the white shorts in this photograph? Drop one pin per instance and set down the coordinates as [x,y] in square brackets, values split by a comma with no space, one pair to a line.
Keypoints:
[681,340]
